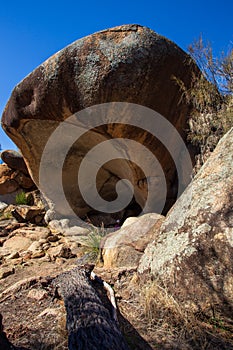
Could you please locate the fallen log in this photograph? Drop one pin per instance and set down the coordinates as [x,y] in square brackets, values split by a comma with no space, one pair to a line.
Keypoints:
[89,322]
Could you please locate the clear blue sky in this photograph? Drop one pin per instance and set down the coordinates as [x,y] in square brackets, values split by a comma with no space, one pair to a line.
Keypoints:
[31,31]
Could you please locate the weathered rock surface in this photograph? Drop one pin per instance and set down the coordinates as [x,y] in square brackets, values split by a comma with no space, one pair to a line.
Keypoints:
[12,181]
[7,181]
[192,252]
[4,342]
[2,206]
[123,64]
[14,160]
[21,243]
[125,247]
[26,213]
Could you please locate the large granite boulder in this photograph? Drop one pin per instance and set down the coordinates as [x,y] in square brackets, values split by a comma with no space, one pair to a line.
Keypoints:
[192,253]
[125,247]
[130,64]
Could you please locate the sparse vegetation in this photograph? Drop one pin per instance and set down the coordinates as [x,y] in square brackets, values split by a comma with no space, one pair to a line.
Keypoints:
[211,95]
[91,243]
[21,198]
[166,323]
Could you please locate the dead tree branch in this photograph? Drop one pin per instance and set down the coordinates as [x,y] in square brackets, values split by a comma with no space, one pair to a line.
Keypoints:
[89,323]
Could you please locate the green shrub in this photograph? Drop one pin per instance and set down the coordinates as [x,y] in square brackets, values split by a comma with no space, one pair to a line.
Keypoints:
[91,243]
[21,198]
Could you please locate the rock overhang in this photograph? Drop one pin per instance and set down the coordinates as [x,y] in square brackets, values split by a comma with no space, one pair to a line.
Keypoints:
[129,63]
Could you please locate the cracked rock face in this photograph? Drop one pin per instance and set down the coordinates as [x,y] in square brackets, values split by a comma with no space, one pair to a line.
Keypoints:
[192,252]
[124,64]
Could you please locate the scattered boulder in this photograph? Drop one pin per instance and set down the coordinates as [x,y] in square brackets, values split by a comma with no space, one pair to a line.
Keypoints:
[34,247]
[192,252]
[12,181]
[7,181]
[14,177]
[129,63]
[35,198]
[26,213]
[25,182]
[61,251]
[14,160]
[16,243]
[125,247]
[34,233]
[6,271]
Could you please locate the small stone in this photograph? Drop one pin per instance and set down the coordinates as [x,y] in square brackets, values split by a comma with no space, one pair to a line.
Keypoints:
[14,255]
[53,238]
[76,231]
[42,241]
[34,247]
[27,256]
[59,226]
[4,233]
[2,241]
[38,219]
[46,258]
[6,271]
[18,261]
[37,294]
[60,261]
[48,312]
[26,213]
[61,251]
[46,246]
[34,233]
[38,255]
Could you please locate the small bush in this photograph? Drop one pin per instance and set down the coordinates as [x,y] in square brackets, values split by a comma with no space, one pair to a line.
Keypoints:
[211,96]
[91,243]
[21,198]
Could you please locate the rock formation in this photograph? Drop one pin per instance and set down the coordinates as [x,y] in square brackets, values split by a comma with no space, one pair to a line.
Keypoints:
[14,176]
[129,63]
[14,160]
[124,247]
[192,252]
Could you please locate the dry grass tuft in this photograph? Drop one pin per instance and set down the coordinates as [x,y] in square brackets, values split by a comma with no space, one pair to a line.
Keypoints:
[165,323]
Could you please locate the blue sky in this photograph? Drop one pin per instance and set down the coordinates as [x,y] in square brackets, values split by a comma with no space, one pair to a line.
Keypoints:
[31,31]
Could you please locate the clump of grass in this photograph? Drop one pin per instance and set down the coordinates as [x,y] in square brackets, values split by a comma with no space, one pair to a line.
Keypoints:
[153,295]
[91,243]
[21,198]
[175,323]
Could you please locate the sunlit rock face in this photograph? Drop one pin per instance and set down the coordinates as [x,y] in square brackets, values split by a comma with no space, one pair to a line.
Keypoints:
[129,64]
[192,250]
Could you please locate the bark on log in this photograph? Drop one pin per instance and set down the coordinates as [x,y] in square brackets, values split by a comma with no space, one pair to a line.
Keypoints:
[89,323]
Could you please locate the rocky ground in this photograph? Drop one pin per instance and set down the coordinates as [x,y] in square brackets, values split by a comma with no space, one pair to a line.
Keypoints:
[173,293]
[35,318]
